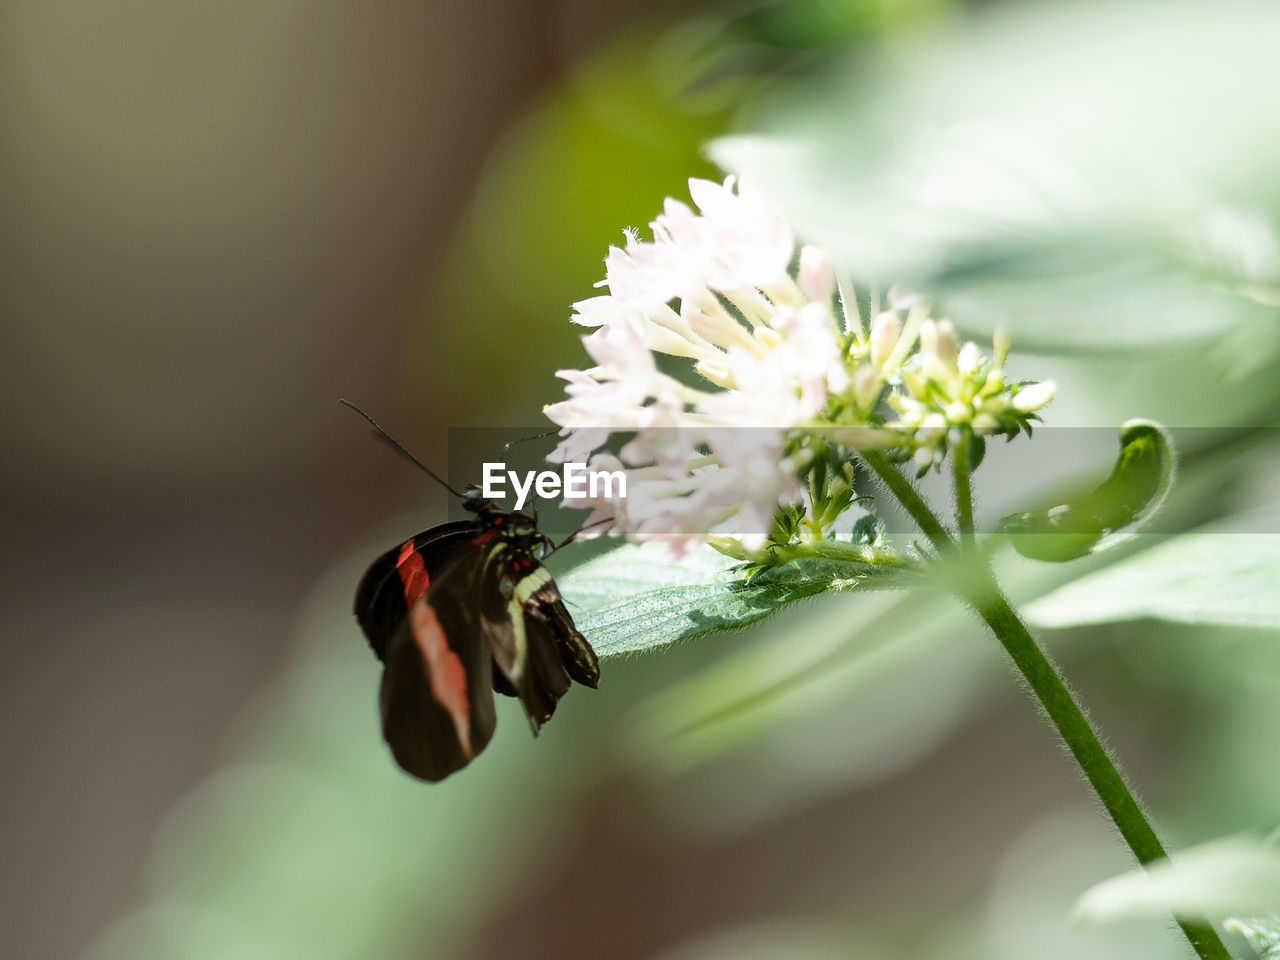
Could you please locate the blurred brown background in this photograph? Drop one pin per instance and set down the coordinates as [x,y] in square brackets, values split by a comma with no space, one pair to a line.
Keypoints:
[217,219]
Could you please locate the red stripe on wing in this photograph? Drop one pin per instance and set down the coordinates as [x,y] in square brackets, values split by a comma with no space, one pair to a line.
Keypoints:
[413,573]
[448,675]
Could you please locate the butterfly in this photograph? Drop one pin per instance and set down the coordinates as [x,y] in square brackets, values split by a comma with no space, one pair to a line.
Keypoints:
[457,613]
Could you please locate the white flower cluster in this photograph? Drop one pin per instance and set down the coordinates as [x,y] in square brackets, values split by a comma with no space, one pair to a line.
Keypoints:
[768,348]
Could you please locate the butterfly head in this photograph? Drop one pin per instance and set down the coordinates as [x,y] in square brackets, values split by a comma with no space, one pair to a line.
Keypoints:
[518,529]
[473,500]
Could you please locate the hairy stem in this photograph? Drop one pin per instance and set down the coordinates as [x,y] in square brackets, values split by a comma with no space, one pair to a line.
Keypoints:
[901,488]
[1083,742]
[971,579]
[853,554]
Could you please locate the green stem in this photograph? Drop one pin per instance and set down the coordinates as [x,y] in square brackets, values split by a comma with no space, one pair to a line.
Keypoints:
[892,478]
[1083,742]
[853,554]
[972,580]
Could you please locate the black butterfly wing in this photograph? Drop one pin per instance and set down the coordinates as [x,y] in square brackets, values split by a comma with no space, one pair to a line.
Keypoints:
[576,653]
[397,579]
[454,615]
[436,698]
[536,648]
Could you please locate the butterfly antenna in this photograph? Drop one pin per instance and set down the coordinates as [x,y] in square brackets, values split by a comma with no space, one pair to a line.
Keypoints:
[392,440]
[571,537]
[537,436]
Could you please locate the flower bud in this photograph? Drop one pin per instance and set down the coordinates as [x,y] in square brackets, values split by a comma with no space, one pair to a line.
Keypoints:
[730,546]
[816,278]
[929,337]
[1033,396]
[1000,343]
[866,386]
[916,384]
[945,347]
[885,331]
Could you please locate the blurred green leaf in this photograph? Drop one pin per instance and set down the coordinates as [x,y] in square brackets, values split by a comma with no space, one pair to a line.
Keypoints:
[737,698]
[594,155]
[809,25]
[1263,934]
[1229,876]
[1204,577]
[1092,290]
[1131,205]
[858,653]
[1049,861]
[637,598]
[1133,492]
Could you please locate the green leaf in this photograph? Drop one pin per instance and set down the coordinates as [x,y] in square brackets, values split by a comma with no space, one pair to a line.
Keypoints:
[1110,514]
[866,663]
[636,598]
[1201,577]
[597,151]
[1229,876]
[1089,226]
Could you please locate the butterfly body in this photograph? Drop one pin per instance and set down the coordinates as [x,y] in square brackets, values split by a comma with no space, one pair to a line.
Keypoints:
[455,613]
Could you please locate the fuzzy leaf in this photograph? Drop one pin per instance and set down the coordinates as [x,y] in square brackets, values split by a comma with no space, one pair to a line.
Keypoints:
[1204,577]
[1110,514]
[636,598]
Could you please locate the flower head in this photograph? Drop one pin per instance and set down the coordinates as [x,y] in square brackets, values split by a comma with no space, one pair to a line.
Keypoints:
[733,360]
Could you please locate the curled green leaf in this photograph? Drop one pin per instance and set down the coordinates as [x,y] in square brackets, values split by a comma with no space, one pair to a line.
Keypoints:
[1120,506]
